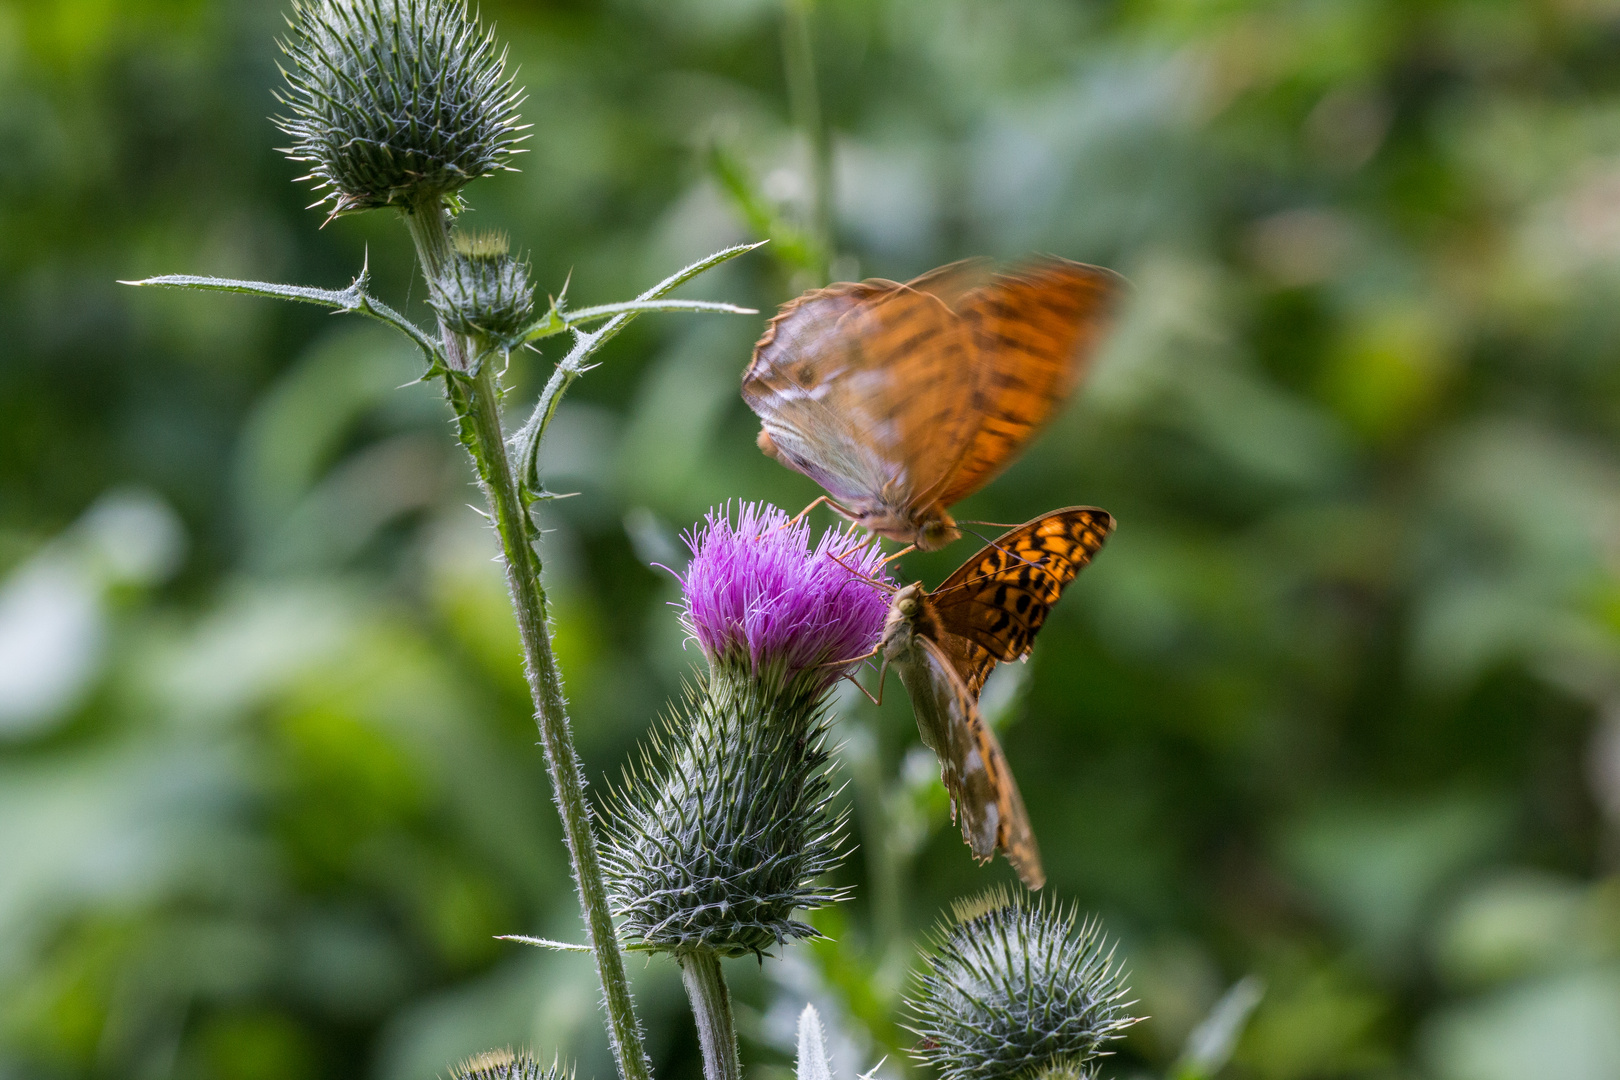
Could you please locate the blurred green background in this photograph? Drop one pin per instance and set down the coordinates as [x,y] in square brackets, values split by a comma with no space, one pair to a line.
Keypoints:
[1339,705]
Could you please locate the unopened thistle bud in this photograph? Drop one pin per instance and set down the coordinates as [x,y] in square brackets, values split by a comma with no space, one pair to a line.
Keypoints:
[395,102]
[1015,989]
[506,1065]
[483,291]
[722,831]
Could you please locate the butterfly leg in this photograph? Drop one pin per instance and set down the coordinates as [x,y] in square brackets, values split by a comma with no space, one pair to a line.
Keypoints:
[907,550]
[882,671]
[832,504]
[852,659]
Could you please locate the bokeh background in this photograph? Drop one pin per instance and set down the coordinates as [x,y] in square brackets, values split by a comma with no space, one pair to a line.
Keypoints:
[1338,706]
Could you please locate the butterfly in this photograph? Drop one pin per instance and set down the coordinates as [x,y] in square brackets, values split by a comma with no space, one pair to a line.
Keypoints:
[901,400]
[945,643]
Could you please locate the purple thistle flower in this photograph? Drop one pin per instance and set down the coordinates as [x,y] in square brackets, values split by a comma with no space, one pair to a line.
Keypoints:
[757,593]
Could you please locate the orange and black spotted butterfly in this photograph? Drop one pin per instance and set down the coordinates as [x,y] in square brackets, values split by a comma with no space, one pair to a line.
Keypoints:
[945,643]
[901,400]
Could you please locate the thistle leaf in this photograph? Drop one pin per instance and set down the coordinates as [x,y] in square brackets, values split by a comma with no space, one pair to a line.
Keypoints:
[354,299]
[526,442]
[1211,1043]
[813,1063]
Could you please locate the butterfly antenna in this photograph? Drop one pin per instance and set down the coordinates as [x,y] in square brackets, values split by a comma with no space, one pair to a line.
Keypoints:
[993,524]
[872,581]
[986,577]
[997,545]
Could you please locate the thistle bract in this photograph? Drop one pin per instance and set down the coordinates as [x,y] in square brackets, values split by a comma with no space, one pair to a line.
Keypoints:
[395,102]
[721,832]
[1014,988]
[507,1065]
[758,596]
[483,291]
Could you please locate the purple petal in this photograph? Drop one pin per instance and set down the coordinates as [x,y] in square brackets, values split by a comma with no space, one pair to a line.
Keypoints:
[757,592]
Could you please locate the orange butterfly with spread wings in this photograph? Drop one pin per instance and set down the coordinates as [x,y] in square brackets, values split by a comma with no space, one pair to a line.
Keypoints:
[901,400]
[945,643]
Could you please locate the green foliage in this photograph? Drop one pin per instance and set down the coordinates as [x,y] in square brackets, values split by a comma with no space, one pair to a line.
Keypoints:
[395,102]
[1013,988]
[1334,707]
[728,825]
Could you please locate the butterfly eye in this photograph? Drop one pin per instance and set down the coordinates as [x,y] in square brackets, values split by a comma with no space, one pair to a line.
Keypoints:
[908,607]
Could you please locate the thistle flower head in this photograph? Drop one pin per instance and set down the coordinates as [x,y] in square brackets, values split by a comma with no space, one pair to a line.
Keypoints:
[482,290]
[507,1065]
[1015,989]
[758,596]
[395,102]
[725,828]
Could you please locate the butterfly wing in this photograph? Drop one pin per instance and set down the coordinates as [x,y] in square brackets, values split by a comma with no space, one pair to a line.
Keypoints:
[868,388]
[1034,332]
[996,602]
[972,765]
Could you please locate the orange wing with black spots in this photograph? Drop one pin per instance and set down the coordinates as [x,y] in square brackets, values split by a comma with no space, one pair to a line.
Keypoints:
[995,603]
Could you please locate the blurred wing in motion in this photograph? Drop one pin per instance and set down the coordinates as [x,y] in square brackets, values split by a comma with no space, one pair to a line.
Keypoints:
[900,400]
[1035,332]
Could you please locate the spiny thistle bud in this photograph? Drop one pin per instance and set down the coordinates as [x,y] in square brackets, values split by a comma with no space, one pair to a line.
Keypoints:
[506,1065]
[483,291]
[395,102]
[1015,989]
[721,832]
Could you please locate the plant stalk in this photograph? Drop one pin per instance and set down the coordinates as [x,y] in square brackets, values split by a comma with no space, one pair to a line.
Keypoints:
[476,401]
[711,1007]
[804,98]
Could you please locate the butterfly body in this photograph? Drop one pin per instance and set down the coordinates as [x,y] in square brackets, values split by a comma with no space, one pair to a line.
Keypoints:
[944,645]
[902,399]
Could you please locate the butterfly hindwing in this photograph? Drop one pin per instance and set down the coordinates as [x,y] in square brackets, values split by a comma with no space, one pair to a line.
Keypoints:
[999,599]
[972,765]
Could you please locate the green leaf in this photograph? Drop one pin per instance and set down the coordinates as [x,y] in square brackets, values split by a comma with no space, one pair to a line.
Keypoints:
[1211,1043]
[557,320]
[354,299]
[794,245]
[543,943]
[526,443]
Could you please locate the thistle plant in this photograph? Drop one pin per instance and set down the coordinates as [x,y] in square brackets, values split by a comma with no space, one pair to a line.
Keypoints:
[1015,988]
[729,824]
[401,104]
[726,826]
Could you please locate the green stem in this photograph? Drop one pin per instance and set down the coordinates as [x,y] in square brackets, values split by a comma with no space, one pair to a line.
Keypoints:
[476,400]
[711,1007]
[799,58]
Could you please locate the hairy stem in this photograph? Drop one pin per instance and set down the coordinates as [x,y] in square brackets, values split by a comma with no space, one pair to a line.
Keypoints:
[476,400]
[711,1006]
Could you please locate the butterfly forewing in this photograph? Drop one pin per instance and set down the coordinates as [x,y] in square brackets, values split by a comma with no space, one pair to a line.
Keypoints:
[1035,332]
[900,400]
[868,388]
[999,599]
